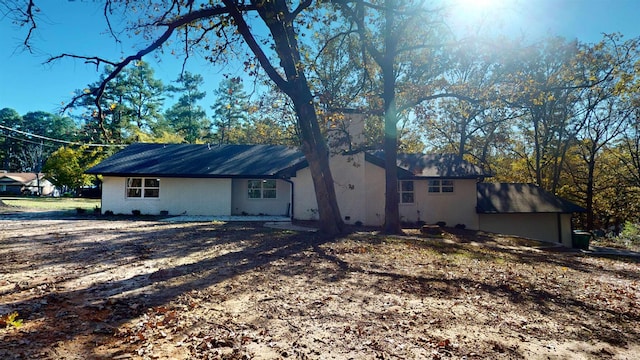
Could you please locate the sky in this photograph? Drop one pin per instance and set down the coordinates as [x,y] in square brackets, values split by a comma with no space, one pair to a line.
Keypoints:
[78,27]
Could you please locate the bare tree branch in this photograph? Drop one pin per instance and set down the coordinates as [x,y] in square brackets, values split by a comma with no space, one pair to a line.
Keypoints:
[119,66]
[244,30]
[29,19]
[106,12]
[303,5]
[87,59]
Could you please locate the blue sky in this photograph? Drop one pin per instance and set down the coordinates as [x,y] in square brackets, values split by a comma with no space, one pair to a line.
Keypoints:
[26,84]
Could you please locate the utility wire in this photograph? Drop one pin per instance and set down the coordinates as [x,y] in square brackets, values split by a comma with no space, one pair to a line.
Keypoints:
[58,140]
[26,141]
[87,151]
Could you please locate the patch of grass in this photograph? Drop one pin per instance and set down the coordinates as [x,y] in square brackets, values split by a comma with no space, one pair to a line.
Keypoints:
[52,204]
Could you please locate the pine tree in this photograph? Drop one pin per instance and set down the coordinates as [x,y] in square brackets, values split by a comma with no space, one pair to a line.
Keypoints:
[230,111]
[186,117]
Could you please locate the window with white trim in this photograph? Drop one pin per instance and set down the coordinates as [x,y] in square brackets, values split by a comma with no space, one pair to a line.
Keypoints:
[262,189]
[405,191]
[143,188]
[440,186]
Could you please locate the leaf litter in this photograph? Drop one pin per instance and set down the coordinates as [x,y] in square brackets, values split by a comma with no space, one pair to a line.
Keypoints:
[130,289]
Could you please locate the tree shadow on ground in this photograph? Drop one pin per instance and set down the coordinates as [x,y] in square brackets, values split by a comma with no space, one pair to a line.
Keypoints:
[242,247]
[542,297]
[91,301]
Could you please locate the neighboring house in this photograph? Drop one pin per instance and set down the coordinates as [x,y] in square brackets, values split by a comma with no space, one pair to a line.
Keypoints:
[24,183]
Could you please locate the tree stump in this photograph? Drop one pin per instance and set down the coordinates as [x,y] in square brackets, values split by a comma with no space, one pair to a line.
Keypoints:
[431,230]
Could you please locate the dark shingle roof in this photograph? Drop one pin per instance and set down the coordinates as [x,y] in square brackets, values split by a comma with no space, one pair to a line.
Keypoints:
[187,160]
[434,165]
[495,198]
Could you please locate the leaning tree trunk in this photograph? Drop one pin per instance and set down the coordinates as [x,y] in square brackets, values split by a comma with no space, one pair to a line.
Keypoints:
[279,20]
[316,152]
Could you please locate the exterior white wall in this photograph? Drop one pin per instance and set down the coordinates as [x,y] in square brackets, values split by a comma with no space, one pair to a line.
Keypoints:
[360,191]
[566,229]
[375,193]
[538,226]
[349,179]
[305,206]
[242,204]
[457,207]
[177,196]
[351,191]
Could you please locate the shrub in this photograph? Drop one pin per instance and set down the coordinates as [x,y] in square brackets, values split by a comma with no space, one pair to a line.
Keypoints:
[630,234]
[630,230]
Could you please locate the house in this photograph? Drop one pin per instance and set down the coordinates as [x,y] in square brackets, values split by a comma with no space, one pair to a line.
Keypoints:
[24,183]
[221,180]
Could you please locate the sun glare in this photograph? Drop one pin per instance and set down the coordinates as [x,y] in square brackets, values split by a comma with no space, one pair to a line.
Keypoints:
[479,15]
[477,5]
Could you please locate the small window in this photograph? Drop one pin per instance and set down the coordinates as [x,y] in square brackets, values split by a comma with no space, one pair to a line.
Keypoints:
[405,191]
[440,186]
[143,188]
[262,189]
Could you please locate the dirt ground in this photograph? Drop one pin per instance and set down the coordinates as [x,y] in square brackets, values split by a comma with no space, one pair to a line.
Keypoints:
[97,288]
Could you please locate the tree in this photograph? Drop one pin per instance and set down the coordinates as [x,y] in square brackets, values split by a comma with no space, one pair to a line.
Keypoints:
[64,170]
[130,104]
[605,110]
[31,158]
[215,27]
[143,98]
[280,20]
[274,124]
[30,138]
[546,82]
[630,154]
[230,110]
[404,40]
[9,119]
[470,129]
[186,117]
[105,116]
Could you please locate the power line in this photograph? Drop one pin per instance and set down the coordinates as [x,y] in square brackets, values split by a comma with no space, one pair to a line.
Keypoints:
[58,140]
[26,140]
[36,143]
